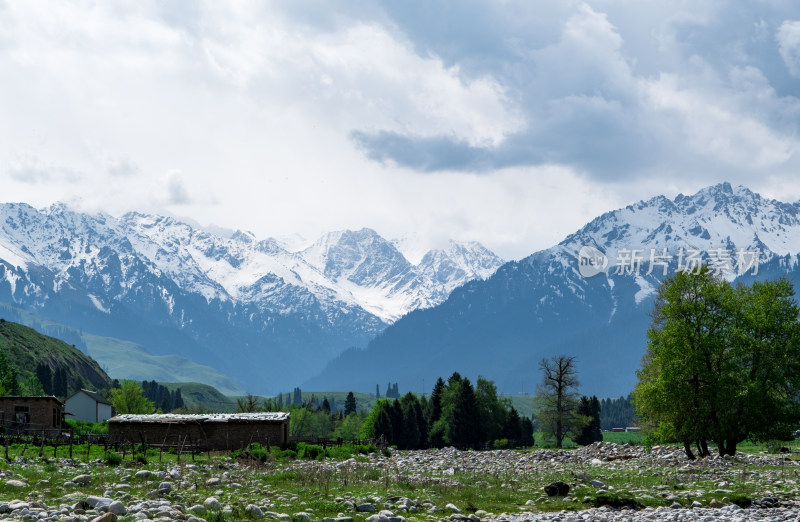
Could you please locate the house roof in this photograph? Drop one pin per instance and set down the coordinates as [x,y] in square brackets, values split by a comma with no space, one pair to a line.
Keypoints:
[269,416]
[32,398]
[94,395]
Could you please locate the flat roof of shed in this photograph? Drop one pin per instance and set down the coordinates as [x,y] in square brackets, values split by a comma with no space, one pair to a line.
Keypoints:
[270,416]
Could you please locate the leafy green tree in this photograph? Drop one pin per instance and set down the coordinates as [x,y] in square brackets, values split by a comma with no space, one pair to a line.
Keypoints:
[557,398]
[8,377]
[300,421]
[350,404]
[349,428]
[32,386]
[129,398]
[490,410]
[722,363]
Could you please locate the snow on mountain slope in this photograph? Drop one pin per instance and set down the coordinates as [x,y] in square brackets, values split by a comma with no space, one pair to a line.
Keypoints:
[718,216]
[341,270]
[543,305]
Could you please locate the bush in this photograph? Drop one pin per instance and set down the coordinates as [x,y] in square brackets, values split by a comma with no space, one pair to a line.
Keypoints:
[112,458]
[310,451]
[501,444]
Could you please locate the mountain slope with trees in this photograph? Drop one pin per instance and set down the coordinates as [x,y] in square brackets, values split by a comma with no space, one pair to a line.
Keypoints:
[61,368]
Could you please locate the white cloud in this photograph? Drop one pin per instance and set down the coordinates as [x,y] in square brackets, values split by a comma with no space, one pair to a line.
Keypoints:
[789,45]
[243,114]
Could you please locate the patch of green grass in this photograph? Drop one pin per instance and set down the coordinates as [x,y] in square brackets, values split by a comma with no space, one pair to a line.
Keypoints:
[633,437]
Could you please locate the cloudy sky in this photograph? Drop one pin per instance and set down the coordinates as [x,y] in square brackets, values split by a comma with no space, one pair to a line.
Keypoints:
[512,123]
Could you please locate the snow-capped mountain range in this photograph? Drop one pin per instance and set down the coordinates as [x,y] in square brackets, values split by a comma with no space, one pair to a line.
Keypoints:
[212,297]
[546,304]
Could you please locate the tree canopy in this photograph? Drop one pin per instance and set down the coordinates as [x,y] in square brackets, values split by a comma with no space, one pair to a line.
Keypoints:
[722,362]
[129,398]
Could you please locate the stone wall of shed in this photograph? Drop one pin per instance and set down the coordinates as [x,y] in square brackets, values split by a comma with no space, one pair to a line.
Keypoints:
[43,411]
[212,435]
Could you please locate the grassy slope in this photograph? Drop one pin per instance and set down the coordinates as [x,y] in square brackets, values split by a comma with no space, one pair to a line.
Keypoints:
[197,394]
[25,348]
[127,360]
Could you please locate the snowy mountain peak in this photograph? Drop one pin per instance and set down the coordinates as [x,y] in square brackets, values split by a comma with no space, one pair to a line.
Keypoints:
[718,216]
[340,272]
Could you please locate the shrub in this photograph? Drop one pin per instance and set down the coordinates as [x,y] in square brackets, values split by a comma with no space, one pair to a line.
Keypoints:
[310,451]
[501,444]
[112,458]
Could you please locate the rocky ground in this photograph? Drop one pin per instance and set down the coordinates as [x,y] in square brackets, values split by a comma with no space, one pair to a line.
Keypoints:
[602,482]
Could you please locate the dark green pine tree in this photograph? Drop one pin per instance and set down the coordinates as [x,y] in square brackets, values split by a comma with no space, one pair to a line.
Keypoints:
[465,422]
[60,383]
[350,404]
[396,413]
[382,427]
[178,402]
[411,436]
[45,376]
[512,429]
[326,406]
[422,422]
[434,413]
[591,432]
[298,397]
[526,432]
[377,391]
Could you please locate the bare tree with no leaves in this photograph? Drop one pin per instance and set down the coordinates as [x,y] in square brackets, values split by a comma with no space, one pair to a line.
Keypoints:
[557,398]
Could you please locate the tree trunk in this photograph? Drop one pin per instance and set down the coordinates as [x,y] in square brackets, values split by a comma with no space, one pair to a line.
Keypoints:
[687,446]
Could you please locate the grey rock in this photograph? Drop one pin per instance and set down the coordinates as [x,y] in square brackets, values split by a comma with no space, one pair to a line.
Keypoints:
[117,507]
[212,503]
[560,489]
[82,479]
[254,511]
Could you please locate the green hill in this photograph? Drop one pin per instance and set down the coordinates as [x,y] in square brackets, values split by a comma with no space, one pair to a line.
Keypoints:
[25,348]
[124,359]
[197,395]
[127,360]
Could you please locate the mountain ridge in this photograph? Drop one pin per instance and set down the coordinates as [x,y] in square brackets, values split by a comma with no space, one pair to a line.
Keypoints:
[542,305]
[280,314]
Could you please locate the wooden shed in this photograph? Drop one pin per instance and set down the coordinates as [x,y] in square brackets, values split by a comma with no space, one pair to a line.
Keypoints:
[31,414]
[212,431]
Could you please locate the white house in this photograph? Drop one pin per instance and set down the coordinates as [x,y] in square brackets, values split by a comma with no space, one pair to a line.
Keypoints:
[87,405]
